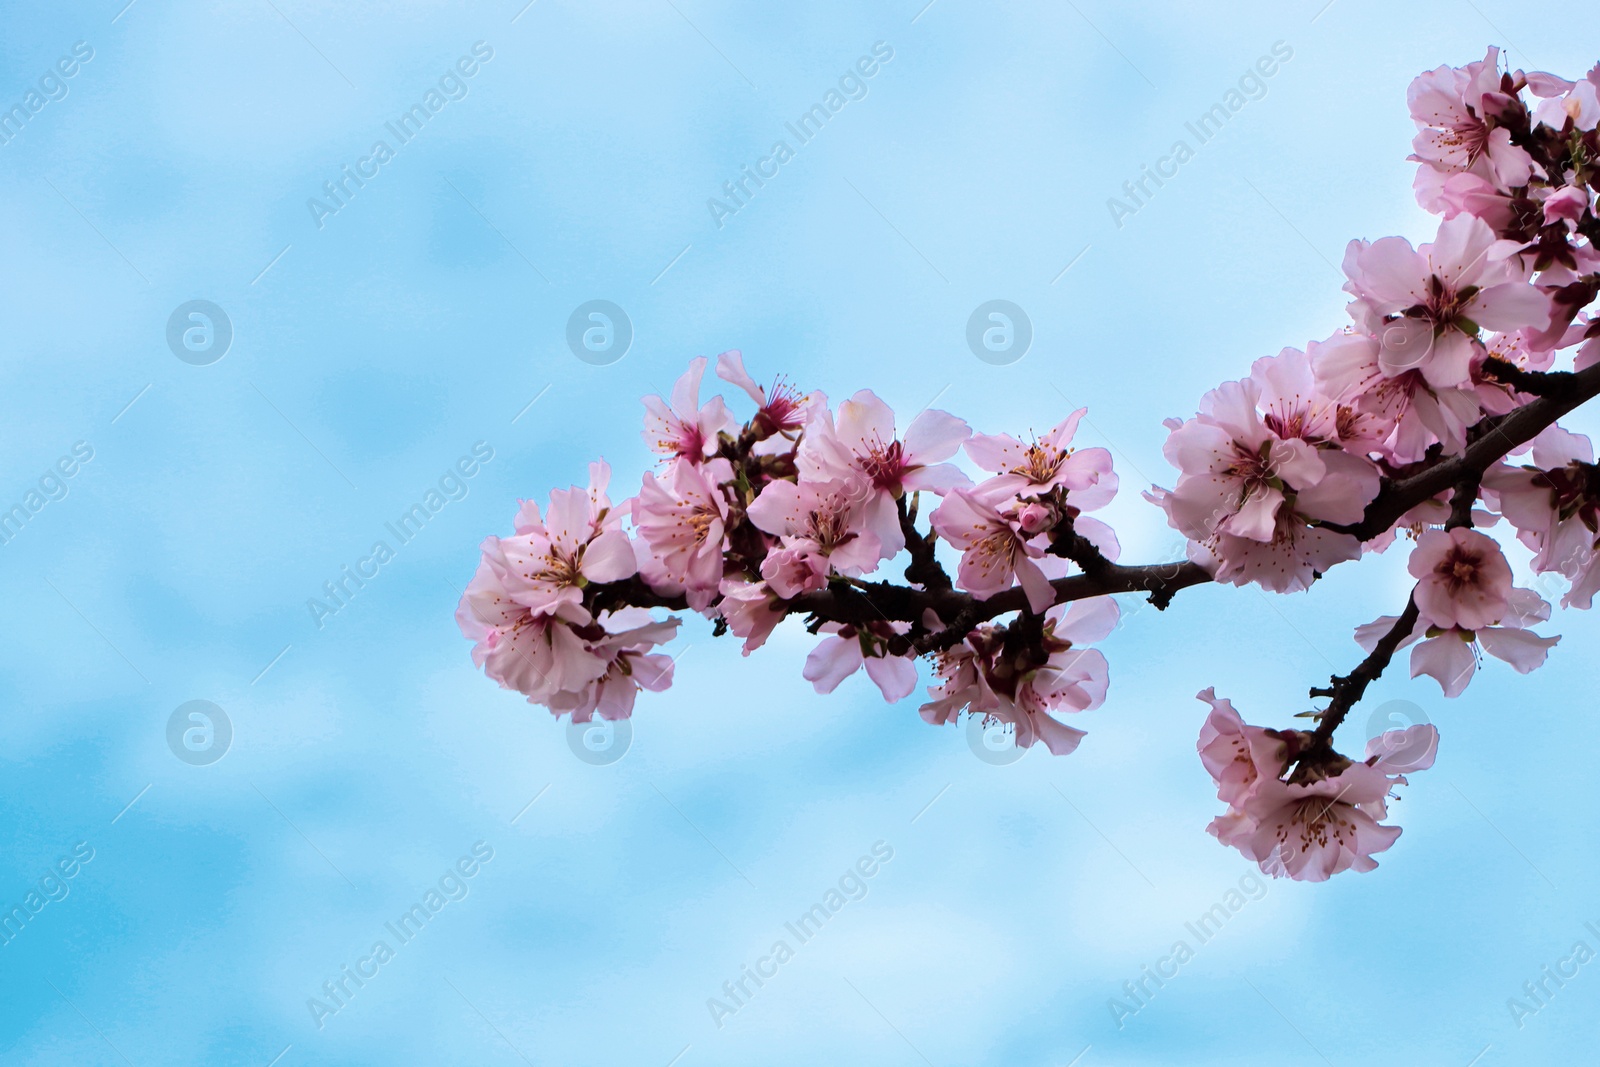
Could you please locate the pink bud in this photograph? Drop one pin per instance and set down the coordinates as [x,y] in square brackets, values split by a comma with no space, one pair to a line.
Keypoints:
[1569,203]
[1035,518]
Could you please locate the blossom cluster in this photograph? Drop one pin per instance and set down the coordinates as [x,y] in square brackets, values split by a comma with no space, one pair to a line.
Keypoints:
[1278,471]
[1272,466]
[1429,419]
[743,520]
[1312,828]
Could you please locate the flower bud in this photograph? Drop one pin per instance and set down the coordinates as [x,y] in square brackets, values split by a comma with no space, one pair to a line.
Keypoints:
[1036,518]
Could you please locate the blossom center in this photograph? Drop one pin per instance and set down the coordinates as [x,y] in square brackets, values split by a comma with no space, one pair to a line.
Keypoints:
[1459,571]
[1040,463]
[700,520]
[1254,469]
[828,528]
[1316,821]
[885,464]
[782,409]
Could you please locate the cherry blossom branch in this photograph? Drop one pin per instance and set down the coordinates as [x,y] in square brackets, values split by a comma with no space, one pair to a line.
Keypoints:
[868,602]
[1400,423]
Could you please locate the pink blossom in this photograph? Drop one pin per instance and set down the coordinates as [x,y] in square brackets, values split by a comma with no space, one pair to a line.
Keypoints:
[1463,579]
[1425,305]
[860,445]
[630,667]
[682,525]
[995,550]
[540,656]
[1293,404]
[561,658]
[1314,830]
[750,610]
[1400,415]
[822,530]
[685,430]
[780,411]
[963,682]
[1308,830]
[849,648]
[1027,471]
[1235,471]
[1247,496]
[551,560]
[1455,110]
[993,675]
[1555,506]
[1237,756]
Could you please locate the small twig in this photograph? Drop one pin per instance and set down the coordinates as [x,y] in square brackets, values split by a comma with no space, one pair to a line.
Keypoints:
[1346,690]
[1531,382]
[924,569]
[1466,495]
[1067,542]
[951,636]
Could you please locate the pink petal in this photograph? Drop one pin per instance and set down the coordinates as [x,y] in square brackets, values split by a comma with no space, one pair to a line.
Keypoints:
[609,558]
[777,509]
[1033,581]
[686,390]
[1405,751]
[1057,736]
[1099,535]
[730,368]
[895,676]
[1510,307]
[1447,659]
[865,420]
[831,662]
[1523,649]
[1089,621]
[995,452]
[934,436]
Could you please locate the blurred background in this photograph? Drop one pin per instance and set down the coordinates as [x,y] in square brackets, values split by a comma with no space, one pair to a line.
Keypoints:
[350,345]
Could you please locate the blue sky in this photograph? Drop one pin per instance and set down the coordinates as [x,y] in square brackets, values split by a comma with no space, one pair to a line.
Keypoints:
[370,353]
